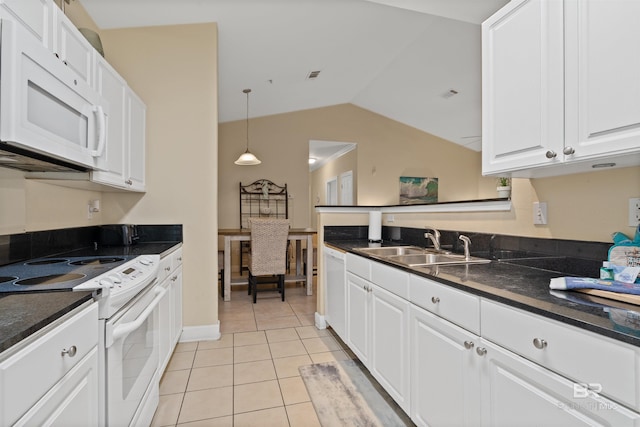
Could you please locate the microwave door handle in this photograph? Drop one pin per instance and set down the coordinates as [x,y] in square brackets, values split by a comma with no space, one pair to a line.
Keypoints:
[126,328]
[102,131]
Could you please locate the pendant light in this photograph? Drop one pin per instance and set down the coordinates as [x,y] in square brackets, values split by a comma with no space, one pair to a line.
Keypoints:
[246,158]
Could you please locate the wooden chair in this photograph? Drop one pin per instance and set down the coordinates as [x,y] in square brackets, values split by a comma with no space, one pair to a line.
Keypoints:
[268,255]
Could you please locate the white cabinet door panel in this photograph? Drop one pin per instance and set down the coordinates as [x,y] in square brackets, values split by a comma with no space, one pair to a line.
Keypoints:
[390,345]
[523,103]
[516,392]
[445,372]
[359,317]
[603,76]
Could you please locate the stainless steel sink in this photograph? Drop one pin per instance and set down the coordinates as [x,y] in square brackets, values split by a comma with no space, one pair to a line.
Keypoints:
[414,260]
[391,251]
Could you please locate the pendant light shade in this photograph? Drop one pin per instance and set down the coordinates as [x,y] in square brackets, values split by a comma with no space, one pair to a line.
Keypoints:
[247,158]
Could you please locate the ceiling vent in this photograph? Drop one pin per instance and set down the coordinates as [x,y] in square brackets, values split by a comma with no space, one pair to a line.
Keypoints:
[313,75]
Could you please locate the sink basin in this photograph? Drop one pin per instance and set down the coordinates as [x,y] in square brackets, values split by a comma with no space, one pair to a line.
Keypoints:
[392,251]
[413,260]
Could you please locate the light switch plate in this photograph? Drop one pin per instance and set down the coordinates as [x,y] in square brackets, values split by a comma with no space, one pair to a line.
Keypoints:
[539,213]
[634,212]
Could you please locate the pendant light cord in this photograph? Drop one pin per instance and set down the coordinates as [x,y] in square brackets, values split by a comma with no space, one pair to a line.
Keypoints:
[247,91]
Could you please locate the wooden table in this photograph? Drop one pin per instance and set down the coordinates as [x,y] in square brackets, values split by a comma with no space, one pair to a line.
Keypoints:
[244,234]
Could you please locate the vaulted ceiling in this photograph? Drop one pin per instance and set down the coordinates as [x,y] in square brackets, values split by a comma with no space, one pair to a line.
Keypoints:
[414,61]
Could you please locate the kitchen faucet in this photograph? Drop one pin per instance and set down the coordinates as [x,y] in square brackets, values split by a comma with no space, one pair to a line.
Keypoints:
[434,237]
[467,242]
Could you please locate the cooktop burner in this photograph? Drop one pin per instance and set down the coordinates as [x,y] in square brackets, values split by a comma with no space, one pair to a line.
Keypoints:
[97,261]
[55,273]
[50,279]
[46,261]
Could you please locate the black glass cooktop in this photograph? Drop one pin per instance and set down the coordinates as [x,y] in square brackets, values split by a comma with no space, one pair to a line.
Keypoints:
[59,273]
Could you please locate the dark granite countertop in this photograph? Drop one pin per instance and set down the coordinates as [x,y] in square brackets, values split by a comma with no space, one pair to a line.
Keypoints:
[22,314]
[26,313]
[527,288]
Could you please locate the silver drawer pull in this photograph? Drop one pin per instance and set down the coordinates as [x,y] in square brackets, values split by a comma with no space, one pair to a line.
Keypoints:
[435,300]
[71,352]
[481,351]
[167,269]
[539,343]
[468,345]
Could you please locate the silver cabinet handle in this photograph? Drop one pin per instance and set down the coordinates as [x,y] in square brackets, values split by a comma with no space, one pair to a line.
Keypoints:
[481,351]
[568,151]
[435,300]
[539,343]
[167,269]
[468,345]
[551,154]
[70,352]
[128,182]
[174,278]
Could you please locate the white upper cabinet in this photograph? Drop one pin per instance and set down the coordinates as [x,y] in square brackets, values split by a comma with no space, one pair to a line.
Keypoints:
[113,88]
[602,77]
[560,90]
[522,100]
[35,15]
[124,164]
[136,136]
[72,47]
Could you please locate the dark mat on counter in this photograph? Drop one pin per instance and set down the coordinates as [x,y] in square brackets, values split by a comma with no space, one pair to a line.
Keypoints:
[342,395]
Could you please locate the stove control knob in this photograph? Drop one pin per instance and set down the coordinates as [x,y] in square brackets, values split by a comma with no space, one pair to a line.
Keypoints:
[115,278]
[146,261]
[106,283]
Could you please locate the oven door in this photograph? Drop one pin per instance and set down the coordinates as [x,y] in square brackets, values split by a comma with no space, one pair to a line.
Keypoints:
[131,360]
[45,108]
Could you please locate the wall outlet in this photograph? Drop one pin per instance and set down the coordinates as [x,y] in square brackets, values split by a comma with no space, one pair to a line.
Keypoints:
[391,218]
[634,212]
[540,213]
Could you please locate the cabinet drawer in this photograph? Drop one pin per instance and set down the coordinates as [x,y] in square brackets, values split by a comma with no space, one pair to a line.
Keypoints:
[27,375]
[165,268]
[390,278]
[359,266]
[176,258]
[584,357]
[456,306]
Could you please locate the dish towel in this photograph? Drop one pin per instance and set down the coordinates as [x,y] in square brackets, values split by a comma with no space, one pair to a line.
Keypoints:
[568,283]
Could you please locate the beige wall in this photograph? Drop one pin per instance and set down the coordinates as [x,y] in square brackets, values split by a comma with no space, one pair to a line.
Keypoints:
[174,70]
[586,207]
[386,150]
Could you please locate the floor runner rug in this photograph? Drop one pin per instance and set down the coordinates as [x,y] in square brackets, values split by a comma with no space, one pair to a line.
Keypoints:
[342,395]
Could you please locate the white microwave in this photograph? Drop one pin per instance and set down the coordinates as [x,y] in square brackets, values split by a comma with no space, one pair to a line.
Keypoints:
[46,111]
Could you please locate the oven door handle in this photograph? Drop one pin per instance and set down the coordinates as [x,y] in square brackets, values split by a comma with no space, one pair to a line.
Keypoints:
[126,328]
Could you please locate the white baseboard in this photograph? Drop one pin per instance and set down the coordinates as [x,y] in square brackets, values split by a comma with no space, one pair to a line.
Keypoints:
[320,322]
[200,333]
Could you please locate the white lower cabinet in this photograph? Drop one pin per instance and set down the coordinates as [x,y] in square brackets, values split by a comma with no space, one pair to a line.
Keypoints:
[517,392]
[73,401]
[445,372]
[390,344]
[53,380]
[170,327]
[378,333]
[176,305]
[359,317]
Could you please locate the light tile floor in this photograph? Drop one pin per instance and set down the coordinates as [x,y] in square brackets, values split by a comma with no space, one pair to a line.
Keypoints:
[250,376]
